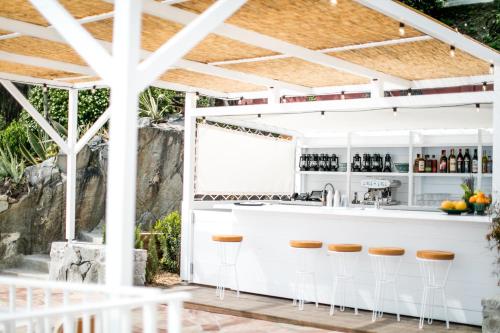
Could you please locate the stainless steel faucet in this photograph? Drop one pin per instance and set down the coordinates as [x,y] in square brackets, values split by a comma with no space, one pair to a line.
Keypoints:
[323,194]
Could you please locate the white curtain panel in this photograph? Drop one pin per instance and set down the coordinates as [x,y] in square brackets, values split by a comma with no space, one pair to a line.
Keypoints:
[232,162]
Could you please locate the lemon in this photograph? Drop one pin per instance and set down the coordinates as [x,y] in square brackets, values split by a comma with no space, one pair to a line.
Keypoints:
[460,205]
[448,204]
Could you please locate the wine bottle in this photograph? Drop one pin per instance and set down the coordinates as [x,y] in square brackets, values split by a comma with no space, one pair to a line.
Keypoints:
[490,164]
[485,163]
[467,162]
[416,164]
[452,162]
[443,163]
[475,162]
[434,164]
[460,162]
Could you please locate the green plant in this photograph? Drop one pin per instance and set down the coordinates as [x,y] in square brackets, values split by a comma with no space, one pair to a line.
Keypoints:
[138,243]
[14,137]
[152,264]
[429,7]
[493,237]
[168,232]
[40,148]
[11,166]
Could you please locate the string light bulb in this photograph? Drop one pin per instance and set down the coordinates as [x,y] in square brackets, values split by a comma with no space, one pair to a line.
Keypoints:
[394,111]
[478,106]
[93,90]
[342,94]
[485,85]
[492,68]
[322,114]
[204,120]
[44,88]
[333,2]
[409,91]
[259,116]
[452,51]
[401,29]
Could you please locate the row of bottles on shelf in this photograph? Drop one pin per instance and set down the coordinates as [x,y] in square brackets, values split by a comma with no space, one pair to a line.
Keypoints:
[319,162]
[461,163]
[371,163]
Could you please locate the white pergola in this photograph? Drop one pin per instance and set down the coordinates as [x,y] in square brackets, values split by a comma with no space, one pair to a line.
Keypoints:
[127,68]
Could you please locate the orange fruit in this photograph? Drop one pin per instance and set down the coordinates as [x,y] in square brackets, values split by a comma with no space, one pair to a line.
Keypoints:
[473,199]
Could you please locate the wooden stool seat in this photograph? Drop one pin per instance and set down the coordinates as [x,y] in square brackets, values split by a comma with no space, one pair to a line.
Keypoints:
[227,238]
[306,244]
[435,255]
[387,251]
[345,247]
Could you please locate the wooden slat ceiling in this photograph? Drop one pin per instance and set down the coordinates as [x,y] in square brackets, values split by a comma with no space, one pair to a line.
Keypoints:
[313,24]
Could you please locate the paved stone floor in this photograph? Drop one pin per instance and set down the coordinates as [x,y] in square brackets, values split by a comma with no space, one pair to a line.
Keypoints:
[273,309]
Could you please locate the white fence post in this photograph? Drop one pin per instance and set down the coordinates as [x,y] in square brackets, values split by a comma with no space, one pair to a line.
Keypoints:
[71,164]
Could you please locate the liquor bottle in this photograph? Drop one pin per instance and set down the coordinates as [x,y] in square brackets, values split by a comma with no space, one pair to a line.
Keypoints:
[434,164]
[485,163]
[443,163]
[416,164]
[428,164]
[490,164]
[475,162]
[421,164]
[387,163]
[452,162]
[467,162]
[460,162]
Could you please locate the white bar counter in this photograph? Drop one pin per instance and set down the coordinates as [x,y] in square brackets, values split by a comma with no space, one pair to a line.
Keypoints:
[266,264]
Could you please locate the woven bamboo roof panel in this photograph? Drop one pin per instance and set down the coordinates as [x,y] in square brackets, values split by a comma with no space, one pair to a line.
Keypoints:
[315,24]
[156,31]
[22,10]
[208,82]
[417,61]
[36,47]
[36,72]
[298,71]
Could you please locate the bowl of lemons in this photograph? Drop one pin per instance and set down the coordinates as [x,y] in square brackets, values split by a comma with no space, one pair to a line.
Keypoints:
[454,207]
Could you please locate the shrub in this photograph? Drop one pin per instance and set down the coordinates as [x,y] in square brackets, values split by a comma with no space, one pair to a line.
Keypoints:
[14,137]
[152,264]
[168,232]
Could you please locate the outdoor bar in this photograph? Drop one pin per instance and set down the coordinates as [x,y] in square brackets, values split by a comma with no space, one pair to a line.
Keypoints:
[331,170]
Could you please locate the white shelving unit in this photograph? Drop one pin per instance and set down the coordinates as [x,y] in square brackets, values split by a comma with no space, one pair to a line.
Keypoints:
[406,145]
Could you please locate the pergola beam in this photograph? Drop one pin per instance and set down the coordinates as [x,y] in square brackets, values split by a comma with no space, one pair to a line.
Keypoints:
[329,50]
[452,99]
[37,31]
[183,41]
[270,43]
[103,118]
[71,164]
[432,28]
[19,97]
[78,37]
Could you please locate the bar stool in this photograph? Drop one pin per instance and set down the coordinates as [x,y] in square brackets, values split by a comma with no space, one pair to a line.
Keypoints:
[344,260]
[434,267]
[228,251]
[306,252]
[386,262]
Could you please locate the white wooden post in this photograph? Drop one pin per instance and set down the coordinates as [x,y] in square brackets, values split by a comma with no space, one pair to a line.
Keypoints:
[496,134]
[122,165]
[188,186]
[71,164]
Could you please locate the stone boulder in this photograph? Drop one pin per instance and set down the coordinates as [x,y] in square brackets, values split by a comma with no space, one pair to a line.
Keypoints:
[85,263]
[491,314]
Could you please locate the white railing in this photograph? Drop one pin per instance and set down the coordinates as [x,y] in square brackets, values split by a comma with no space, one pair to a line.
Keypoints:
[51,306]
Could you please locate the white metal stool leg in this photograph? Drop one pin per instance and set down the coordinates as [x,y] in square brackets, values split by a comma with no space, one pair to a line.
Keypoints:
[343,269]
[228,248]
[434,276]
[385,263]
[304,273]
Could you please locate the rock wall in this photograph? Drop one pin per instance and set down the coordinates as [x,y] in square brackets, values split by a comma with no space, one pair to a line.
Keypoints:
[38,218]
[491,314]
[85,263]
